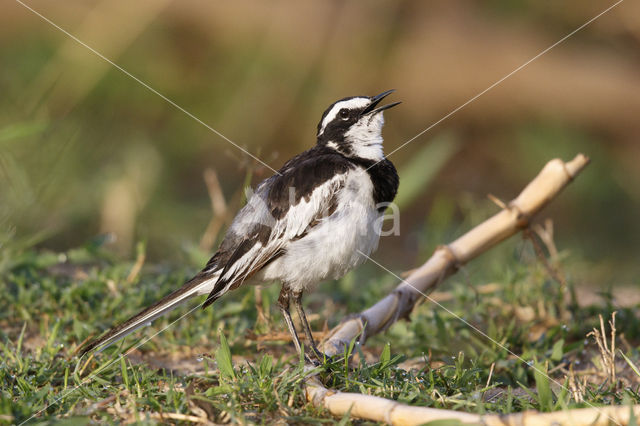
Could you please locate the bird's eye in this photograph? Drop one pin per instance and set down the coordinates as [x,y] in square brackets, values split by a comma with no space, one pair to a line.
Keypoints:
[344,113]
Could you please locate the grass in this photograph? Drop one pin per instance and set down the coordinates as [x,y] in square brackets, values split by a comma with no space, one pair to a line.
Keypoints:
[63,149]
[229,365]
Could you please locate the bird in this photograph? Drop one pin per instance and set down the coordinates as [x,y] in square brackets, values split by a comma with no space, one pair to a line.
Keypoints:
[316,219]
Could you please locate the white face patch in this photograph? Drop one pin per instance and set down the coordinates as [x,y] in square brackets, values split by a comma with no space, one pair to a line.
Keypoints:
[365,137]
[349,104]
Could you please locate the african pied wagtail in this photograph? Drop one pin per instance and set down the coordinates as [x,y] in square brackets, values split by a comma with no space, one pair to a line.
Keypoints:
[315,220]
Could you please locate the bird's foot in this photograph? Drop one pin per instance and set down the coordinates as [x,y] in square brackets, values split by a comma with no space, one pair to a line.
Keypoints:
[312,360]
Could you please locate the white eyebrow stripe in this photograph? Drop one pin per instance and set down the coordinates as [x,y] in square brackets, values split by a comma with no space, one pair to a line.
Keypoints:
[349,104]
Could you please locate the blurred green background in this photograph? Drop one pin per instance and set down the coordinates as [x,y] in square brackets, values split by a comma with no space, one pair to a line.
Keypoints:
[85,150]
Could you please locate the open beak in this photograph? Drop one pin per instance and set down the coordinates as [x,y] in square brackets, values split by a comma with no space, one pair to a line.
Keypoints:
[375,100]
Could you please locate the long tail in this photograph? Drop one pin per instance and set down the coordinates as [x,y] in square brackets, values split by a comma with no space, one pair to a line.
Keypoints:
[200,284]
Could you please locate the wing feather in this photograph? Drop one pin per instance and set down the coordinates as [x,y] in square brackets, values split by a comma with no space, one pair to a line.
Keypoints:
[283,209]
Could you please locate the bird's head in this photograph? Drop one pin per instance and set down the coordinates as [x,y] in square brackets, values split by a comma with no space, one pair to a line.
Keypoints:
[353,126]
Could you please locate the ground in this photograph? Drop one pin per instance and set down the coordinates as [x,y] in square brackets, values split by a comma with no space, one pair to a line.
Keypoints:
[235,362]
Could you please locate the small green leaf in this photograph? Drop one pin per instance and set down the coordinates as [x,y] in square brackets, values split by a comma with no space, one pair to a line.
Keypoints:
[385,356]
[545,396]
[223,358]
[52,337]
[563,398]
[19,346]
[266,365]
[557,351]
[632,417]
[125,375]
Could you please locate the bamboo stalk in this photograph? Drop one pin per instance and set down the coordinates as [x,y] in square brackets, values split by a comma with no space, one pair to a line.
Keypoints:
[446,259]
[383,410]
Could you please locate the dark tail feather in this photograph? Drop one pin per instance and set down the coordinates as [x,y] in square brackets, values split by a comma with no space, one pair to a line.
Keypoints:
[191,288]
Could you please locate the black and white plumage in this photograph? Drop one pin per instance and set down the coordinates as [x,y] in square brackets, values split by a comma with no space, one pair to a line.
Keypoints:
[314,220]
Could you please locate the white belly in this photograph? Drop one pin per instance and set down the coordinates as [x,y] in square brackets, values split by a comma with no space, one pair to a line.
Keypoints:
[336,245]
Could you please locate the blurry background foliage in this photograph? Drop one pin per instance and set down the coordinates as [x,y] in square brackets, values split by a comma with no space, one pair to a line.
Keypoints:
[87,151]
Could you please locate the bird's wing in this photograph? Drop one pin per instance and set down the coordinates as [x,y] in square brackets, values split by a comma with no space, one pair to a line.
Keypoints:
[283,209]
[273,216]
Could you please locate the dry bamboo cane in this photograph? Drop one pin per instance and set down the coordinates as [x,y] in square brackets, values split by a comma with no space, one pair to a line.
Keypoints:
[384,410]
[445,261]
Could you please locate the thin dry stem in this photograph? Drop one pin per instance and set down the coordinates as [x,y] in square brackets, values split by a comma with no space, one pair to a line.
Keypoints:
[262,317]
[218,207]
[546,235]
[607,351]
[576,387]
[554,273]
[137,266]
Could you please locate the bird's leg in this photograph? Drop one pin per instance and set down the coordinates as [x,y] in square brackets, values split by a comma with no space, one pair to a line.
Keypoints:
[297,301]
[283,304]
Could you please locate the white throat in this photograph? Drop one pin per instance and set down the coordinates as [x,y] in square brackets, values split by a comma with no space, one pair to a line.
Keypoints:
[365,138]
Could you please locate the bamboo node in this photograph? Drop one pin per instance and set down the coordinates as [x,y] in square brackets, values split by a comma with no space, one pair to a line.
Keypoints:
[522,218]
[451,256]
[389,412]
[359,318]
[404,306]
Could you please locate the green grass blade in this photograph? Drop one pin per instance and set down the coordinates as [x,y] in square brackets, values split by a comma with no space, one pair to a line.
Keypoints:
[223,358]
[631,364]
[543,387]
